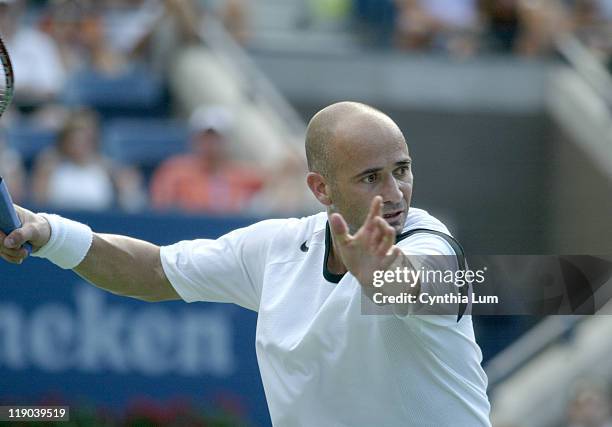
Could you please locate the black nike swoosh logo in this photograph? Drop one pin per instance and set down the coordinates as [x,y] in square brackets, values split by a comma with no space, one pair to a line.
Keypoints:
[304,247]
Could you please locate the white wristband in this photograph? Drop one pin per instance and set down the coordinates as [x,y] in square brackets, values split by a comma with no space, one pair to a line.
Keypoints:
[69,243]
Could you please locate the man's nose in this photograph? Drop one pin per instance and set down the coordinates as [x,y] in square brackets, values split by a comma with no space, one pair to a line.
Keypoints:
[391,191]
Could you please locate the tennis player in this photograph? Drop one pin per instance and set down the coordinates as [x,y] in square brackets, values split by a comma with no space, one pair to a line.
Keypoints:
[322,361]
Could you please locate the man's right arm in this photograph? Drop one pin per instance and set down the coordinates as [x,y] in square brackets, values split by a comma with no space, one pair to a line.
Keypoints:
[119,264]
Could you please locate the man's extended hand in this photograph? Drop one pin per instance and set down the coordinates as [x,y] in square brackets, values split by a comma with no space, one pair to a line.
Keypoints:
[370,249]
[35,229]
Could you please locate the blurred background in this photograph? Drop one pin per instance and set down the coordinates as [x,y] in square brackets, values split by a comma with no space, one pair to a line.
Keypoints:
[182,119]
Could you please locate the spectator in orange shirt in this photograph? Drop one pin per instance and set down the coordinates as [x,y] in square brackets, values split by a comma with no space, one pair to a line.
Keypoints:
[206,179]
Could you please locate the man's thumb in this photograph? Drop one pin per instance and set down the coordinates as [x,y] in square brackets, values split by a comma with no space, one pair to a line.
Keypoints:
[339,228]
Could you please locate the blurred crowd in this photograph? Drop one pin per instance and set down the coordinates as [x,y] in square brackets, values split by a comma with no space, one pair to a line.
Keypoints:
[467,27]
[94,124]
[101,84]
[456,27]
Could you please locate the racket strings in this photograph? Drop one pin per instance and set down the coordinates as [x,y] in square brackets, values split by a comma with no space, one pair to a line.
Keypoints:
[6,79]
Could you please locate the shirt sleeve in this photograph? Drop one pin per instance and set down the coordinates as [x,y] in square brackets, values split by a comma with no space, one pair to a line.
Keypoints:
[426,244]
[433,255]
[228,269]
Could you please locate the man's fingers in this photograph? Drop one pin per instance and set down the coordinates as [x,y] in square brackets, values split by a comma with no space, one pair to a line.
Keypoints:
[375,211]
[378,237]
[16,253]
[339,229]
[390,257]
[387,237]
[375,233]
[18,237]
[393,253]
[3,237]
[12,259]
[375,236]
[20,213]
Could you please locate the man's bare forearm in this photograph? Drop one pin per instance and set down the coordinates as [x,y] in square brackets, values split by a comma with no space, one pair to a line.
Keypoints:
[118,264]
[126,266]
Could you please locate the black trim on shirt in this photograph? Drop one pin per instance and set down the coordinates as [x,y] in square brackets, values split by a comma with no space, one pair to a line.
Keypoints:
[329,276]
[459,252]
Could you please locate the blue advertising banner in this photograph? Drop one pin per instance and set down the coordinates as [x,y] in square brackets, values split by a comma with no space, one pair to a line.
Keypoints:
[60,336]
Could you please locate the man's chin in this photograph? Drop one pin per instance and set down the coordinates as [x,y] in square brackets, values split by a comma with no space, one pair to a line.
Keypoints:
[398,223]
[397,226]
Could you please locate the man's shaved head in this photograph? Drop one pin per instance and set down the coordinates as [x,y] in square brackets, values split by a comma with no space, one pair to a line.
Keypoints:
[323,129]
[355,153]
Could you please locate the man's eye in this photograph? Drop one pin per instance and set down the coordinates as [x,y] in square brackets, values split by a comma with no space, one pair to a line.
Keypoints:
[369,179]
[402,171]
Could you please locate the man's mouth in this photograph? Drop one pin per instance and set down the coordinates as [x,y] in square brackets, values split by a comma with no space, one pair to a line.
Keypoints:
[392,216]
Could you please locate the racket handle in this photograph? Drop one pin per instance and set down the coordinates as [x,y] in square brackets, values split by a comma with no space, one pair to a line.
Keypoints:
[9,220]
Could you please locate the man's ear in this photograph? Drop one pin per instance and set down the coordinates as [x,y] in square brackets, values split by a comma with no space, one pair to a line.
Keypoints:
[319,187]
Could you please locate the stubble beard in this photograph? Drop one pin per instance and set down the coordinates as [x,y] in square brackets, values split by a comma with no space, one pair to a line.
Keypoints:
[354,224]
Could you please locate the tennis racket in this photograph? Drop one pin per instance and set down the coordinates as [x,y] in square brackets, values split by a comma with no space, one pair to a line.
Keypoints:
[9,220]
[7,86]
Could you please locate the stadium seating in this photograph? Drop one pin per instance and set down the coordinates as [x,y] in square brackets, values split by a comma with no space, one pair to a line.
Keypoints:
[143,142]
[134,92]
[29,139]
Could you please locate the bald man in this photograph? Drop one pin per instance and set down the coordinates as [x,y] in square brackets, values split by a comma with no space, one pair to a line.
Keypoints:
[322,361]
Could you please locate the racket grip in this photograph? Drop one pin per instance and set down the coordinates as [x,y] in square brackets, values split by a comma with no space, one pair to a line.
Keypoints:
[9,220]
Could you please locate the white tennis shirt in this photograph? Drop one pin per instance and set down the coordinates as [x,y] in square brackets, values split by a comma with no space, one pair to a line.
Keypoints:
[322,362]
